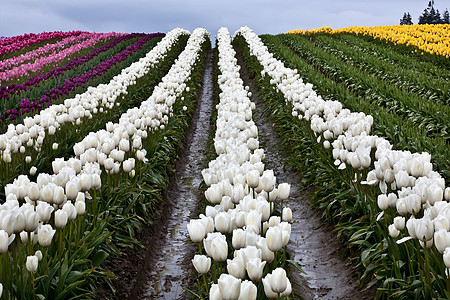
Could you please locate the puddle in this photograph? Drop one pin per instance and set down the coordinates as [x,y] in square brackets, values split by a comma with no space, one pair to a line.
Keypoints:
[168,264]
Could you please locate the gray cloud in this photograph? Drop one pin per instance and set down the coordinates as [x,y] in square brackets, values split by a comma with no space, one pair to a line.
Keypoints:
[263,16]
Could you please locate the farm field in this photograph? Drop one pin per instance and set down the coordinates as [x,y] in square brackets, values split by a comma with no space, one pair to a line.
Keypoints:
[307,165]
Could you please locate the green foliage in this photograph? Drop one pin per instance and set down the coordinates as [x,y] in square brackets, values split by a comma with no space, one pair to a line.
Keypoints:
[404,134]
[400,271]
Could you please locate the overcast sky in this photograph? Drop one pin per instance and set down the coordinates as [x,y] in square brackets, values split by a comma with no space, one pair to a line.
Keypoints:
[263,16]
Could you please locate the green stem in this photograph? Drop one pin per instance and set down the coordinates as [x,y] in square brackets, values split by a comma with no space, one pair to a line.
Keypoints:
[70,237]
[32,283]
[206,284]
[200,247]
[447,292]
[95,206]
[215,271]
[427,273]
[60,251]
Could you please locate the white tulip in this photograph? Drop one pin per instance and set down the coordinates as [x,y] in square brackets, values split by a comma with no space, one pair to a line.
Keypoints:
[61,218]
[236,267]
[287,214]
[222,222]
[255,268]
[393,231]
[442,240]
[201,263]
[268,287]
[248,291]
[252,178]
[447,257]
[32,263]
[196,230]
[229,286]
[278,281]
[399,223]
[284,190]
[214,292]
[4,241]
[219,250]
[45,235]
[382,201]
[71,211]
[239,238]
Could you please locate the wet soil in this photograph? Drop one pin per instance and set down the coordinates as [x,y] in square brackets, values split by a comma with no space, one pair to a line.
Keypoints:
[168,266]
[163,268]
[313,245]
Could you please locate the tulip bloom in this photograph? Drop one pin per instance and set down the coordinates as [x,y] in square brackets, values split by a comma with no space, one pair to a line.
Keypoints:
[223,222]
[442,240]
[268,288]
[287,214]
[229,286]
[239,239]
[255,268]
[201,263]
[4,241]
[248,291]
[236,267]
[284,189]
[219,250]
[32,263]
[45,235]
[61,218]
[196,230]
[274,239]
[278,281]
[214,292]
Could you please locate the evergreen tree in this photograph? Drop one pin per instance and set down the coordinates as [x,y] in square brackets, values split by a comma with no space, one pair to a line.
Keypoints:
[430,15]
[425,17]
[445,17]
[406,20]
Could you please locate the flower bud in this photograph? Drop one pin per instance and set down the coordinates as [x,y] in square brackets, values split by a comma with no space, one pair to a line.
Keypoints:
[196,230]
[229,286]
[61,218]
[32,263]
[201,263]
[278,281]
[287,214]
[393,232]
[45,235]
[284,190]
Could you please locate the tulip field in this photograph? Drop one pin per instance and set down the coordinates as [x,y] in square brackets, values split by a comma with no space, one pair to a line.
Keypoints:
[92,128]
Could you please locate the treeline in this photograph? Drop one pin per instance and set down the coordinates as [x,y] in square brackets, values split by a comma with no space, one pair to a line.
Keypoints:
[430,15]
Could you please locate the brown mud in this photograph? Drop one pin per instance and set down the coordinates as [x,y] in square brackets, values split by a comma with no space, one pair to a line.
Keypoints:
[313,245]
[163,268]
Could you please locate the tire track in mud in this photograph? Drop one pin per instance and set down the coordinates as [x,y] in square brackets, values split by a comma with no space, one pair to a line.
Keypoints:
[313,246]
[167,268]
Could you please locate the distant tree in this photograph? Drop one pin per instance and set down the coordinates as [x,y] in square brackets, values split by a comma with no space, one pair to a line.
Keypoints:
[406,20]
[430,15]
[445,17]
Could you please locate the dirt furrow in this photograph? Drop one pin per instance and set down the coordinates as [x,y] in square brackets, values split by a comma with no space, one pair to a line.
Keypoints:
[313,246]
[167,267]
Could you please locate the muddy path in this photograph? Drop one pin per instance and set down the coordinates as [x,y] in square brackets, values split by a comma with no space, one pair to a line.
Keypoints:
[162,268]
[313,246]
[167,267]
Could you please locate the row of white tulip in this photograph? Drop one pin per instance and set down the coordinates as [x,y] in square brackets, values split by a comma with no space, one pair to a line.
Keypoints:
[72,179]
[242,195]
[30,135]
[406,180]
